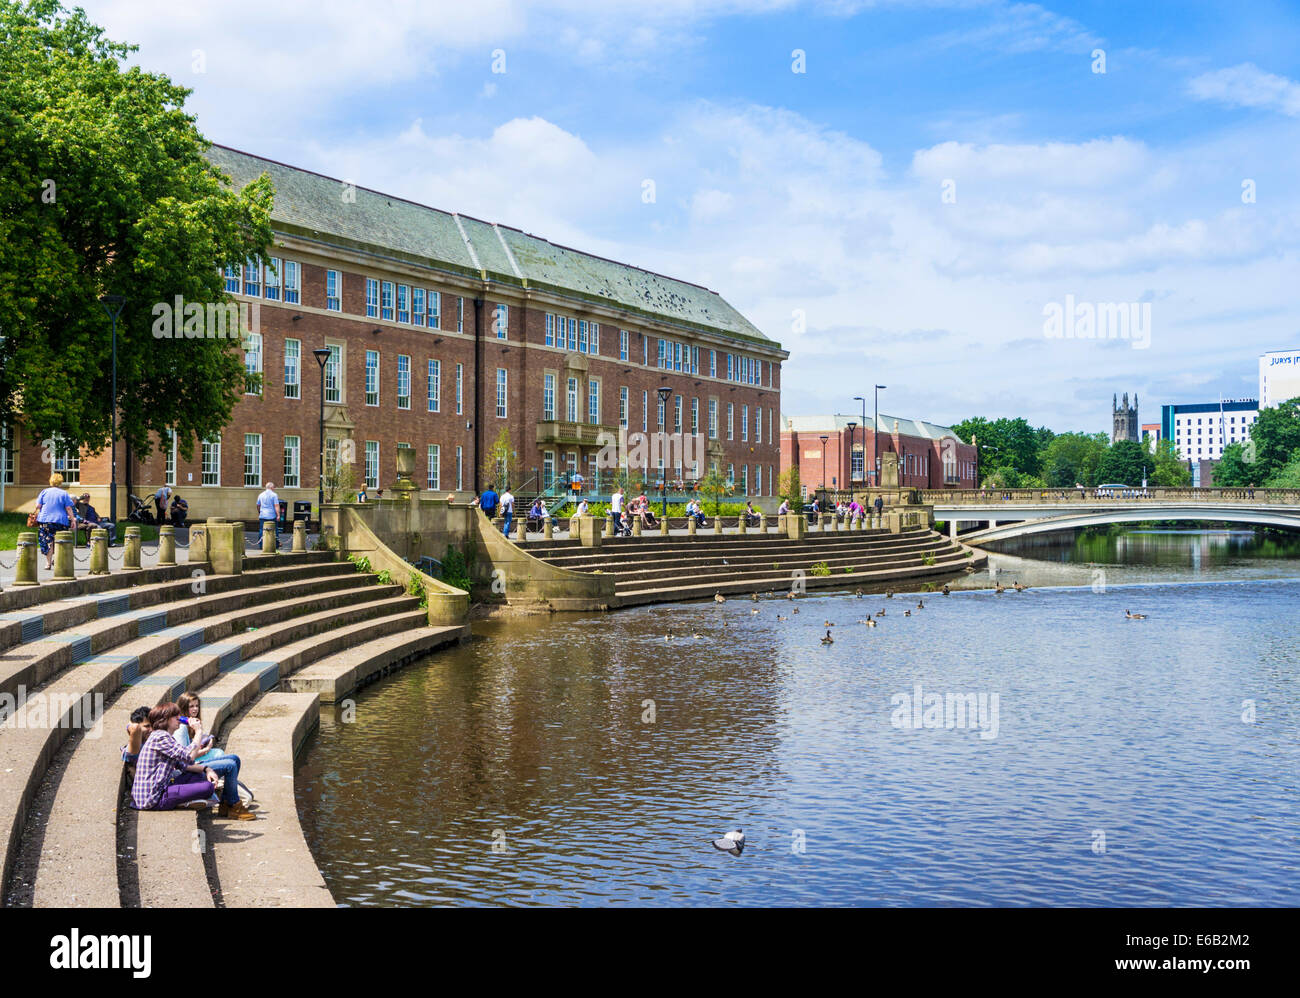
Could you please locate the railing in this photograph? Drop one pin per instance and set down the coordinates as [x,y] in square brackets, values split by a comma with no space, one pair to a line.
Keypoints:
[984,497]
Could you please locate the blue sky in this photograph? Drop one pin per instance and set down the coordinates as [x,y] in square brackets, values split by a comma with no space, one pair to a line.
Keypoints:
[815,201]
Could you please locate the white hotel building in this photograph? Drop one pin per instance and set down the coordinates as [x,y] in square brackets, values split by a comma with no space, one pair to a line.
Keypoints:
[1201,430]
[1279,377]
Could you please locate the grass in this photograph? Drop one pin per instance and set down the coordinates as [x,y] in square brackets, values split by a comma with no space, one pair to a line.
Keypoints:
[13,524]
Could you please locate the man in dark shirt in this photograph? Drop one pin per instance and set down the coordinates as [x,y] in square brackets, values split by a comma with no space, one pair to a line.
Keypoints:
[488,502]
[87,515]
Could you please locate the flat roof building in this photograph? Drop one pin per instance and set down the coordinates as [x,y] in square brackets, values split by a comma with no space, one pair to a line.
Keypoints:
[1201,430]
[1279,377]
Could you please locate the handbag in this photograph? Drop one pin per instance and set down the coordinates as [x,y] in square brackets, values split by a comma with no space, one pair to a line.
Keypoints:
[31,517]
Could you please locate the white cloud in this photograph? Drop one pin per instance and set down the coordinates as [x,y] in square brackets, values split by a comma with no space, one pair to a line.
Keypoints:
[1247,85]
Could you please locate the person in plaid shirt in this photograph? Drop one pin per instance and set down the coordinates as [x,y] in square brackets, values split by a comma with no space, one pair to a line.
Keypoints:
[166,775]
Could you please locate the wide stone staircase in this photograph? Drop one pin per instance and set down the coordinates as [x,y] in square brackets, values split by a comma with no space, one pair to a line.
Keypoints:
[249,644]
[655,568]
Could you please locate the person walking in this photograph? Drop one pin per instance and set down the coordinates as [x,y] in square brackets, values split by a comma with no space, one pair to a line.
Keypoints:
[160,503]
[268,508]
[880,507]
[54,510]
[507,509]
[616,509]
[489,501]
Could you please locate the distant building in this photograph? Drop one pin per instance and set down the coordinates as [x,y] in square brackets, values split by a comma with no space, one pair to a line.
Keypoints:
[1200,430]
[1279,377]
[1150,436]
[1124,419]
[930,456]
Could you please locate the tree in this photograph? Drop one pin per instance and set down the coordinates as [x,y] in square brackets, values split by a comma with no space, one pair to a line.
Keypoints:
[714,484]
[790,488]
[1234,471]
[1006,443]
[1274,439]
[1123,463]
[500,464]
[106,190]
[1072,458]
[1168,470]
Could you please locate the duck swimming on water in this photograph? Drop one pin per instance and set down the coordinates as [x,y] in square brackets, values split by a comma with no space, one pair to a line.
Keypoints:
[732,842]
[1134,616]
[828,640]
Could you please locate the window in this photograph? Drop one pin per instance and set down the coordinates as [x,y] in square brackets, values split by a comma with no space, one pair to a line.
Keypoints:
[460,469]
[663,350]
[582,335]
[594,329]
[435,385]
[695,360]
[460,325]
[501,393]
[234,281]
[333,291]
[435,310]
[622,344]
[67,462]
[292,456]
[677,356]
[744,423]
[417,306]
[334,373]
[372,298]
[292,369]
[713,419]
[252,460]
[731,421]
[550,329]
[758,426]
[211,461]
[169,450]
[292,282]
[548,469]
[622,407]
[372,464]
[731,358]
[573,334]
[731,474]
[645,411]
[713,363]
[659,413]
[372,377]
[645,350]
[501,321]
[548,396]
[272,281]
[593,401]
[403,303]
[253,278]
[744,479]
[695,416]
[571,401]
[434,481]
[758,479]
[460,394]
[677,414]
[253,364]
[403,381]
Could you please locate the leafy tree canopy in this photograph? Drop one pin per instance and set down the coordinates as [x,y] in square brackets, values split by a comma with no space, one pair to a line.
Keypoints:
[104,189]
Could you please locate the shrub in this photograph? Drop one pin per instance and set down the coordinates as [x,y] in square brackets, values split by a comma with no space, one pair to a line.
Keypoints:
[384,577]
[849,570]
[928,560]
[821,568]
[361,562]
[455,569]
[415,587]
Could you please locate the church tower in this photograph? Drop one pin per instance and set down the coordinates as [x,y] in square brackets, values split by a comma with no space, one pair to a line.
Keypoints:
[1124,419]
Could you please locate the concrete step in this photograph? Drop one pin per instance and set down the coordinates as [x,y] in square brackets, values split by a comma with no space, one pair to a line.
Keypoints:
[706,541]
[266,863]
[340,675]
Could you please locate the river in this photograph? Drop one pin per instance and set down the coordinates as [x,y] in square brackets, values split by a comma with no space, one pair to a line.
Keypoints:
[1102,761]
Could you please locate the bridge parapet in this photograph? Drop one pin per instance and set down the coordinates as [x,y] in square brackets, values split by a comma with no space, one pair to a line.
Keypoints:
[984,497]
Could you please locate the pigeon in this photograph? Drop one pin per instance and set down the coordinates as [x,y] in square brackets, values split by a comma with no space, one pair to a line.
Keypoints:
[732,842]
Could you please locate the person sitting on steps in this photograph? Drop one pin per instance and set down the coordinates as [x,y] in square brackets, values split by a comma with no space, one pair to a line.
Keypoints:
[167,777]
[224,764]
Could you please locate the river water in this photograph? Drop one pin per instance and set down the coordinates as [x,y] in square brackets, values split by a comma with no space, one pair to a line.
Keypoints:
[1094,760]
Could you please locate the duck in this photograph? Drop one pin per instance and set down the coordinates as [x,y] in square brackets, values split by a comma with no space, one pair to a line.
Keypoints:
[920,604]
[790,595]
[828,640]
[999,588]
[697,637]
[1134,616]
[829,624]
[719,598]
[858,594]
[668,636]
[889,594]
[732,842]
[754,612]
[970,569]
[881,613]
[795,610]
[907,613]
[779,617]
[753,597]
[1018,587]
[869,622]
[946,590]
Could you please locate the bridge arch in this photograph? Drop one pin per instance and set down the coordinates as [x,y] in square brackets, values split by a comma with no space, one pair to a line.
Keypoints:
[1037,523]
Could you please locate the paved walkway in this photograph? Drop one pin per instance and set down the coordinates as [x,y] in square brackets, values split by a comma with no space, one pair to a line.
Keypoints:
[148,555]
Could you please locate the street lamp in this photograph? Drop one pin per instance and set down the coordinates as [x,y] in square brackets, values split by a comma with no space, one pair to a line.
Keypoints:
[113,307]
[875,437]
[852,426]
[823,439]
[664,391]
[322,356]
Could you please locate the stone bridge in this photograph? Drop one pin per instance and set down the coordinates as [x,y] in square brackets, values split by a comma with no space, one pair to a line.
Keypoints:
[1008,513]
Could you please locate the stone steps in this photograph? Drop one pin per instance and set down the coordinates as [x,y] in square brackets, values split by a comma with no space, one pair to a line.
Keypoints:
[77,845]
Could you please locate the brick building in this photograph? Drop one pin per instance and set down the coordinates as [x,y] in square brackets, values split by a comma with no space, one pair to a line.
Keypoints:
[929,456]
[442,330]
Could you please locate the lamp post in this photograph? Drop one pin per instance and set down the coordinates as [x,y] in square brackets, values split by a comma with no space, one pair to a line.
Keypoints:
[875,437]
[852,426]
[322,356]
[113,307]
[823,439]
[664,392]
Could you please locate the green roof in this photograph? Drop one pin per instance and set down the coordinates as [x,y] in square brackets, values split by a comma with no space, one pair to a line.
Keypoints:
[313,205]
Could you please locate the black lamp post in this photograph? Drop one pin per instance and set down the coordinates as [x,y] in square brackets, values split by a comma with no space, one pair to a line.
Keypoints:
[852,426]
[875,436]
[664,392]
[824,438]
[322,356]
[113,307]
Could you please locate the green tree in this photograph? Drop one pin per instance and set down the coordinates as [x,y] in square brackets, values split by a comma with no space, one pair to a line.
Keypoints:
[790,488]
[500,465]
[1234,471]
[1274,439]
[714,484]
[1123,462]
[1006,443]
[1287,477]
[1073,458]
[1169,470]
[105,190]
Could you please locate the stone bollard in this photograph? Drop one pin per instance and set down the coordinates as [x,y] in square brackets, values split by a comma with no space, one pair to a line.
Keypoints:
[717,524]
[609,524]
[63,541]
[587,529]
[839,524]
[741,527]
[99,551]
[521,529]
[691,525]
[167,545]
[25,567]
[636,526]
[299,535]
[762,523]
[663,527]
[269,537]
[131,550]
[548,528]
